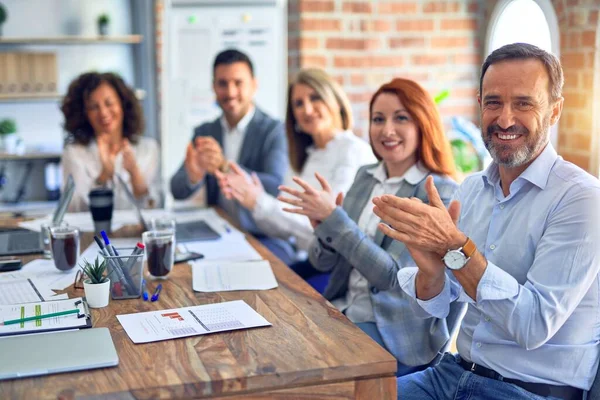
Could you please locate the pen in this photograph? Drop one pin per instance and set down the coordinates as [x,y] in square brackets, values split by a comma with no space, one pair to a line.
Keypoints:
[227,229]
[124,272]
[115,266]
[156,292]
[36,317]
[144,292]
[139,249]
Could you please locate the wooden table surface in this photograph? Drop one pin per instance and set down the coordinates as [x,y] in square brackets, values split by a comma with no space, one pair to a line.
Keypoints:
[311,351]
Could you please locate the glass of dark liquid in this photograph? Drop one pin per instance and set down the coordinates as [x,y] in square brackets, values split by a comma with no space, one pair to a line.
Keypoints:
[64,241]
[160,252]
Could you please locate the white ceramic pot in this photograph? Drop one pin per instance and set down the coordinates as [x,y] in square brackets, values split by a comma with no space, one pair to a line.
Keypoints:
[10,142]
[97,294]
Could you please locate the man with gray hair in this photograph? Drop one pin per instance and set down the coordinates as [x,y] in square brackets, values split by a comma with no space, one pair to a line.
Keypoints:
[524,251]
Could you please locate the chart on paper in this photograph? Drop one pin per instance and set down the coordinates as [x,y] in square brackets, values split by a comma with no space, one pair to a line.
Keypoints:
[190,321]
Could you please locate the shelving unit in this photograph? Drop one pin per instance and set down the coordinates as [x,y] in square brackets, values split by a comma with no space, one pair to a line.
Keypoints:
[30,156]
[29,97]
[126,39]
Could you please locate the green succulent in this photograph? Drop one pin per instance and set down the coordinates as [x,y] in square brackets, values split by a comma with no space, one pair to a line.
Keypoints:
[103,19]
[8,126]
[95,271]
[3,14]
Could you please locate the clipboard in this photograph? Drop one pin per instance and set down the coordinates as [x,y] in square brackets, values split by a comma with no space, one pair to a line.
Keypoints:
[81,320]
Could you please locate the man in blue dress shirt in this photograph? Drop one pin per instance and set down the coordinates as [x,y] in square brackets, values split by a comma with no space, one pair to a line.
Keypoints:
[520,245]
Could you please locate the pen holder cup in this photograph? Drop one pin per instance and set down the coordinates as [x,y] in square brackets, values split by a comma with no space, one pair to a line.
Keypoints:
[125,273]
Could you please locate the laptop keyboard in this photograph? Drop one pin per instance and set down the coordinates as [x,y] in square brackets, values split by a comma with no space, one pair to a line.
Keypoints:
[24,241]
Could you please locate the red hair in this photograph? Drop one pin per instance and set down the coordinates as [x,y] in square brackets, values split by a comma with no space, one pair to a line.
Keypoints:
[434,148]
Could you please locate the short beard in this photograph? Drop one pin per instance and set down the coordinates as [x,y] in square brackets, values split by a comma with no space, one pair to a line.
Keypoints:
[524,154]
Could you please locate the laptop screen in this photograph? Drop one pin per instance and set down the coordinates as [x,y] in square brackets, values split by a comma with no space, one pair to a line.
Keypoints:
[133,201]
[65,200]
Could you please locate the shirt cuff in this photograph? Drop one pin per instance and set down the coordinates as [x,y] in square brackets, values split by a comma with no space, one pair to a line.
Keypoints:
[496,284]
[438,306]
[190,185]
[264,202]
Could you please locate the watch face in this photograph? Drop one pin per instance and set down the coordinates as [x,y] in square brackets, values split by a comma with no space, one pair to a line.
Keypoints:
[455,259]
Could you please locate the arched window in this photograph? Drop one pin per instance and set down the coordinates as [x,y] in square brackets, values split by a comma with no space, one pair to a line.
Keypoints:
[526,21]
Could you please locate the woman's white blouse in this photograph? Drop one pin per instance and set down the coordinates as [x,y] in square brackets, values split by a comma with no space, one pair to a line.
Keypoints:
[337,162]
[83,162]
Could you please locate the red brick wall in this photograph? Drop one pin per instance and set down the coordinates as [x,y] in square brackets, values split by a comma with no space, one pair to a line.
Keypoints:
[364,44]
[579,127]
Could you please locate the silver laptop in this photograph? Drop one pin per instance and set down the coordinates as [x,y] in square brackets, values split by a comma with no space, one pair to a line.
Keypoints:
[23,241]
[184,231]
[52,353]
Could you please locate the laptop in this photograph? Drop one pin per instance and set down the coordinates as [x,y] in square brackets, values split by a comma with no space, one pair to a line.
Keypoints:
[16,241]
[184,231]
[56,352]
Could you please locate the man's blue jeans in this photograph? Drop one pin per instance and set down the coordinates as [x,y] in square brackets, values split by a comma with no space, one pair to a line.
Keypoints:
[448,380]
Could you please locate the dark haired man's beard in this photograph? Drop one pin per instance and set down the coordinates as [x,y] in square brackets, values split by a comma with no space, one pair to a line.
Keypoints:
[501,153]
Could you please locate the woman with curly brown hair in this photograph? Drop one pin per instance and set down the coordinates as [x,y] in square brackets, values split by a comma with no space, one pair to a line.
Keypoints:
[105,124]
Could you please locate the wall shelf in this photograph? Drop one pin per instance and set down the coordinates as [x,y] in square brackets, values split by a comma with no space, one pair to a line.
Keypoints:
[30,156]
[39,97]
[125,39]
[28,97]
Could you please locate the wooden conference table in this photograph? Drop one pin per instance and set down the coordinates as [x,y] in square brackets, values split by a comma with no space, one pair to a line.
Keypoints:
[311,351]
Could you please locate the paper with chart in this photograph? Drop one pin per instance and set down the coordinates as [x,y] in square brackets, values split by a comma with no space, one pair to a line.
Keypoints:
[16,311]
[154,326]
[217,276]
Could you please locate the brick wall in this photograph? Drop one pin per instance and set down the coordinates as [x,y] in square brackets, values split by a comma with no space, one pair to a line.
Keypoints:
[579,127]
[364,44]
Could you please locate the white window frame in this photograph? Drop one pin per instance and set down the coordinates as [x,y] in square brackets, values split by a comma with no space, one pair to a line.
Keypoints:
[550,14]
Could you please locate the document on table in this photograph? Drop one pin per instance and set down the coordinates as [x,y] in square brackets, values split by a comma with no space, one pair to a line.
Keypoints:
[230,247]
[160,325]
[44,274]
[83,221]
[217,276]
[15,291]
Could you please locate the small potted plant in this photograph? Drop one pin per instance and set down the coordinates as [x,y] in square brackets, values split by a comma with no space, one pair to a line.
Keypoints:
[96,285]
[3,15]
[103,21]
[8,135]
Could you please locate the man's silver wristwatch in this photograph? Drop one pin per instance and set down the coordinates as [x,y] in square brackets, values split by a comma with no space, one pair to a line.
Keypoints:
[457,259]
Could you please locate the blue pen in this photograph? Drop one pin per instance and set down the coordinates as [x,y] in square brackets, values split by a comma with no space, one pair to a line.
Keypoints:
[144,292]
[227,228]
[156,292]
[127,281]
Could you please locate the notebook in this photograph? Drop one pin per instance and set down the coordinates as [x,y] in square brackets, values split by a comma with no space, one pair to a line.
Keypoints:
[80,320]
[32,355]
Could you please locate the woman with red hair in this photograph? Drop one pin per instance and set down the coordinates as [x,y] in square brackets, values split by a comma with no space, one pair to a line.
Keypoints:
[406,135]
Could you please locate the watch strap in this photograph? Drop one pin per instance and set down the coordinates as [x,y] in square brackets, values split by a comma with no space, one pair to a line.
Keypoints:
[469,248]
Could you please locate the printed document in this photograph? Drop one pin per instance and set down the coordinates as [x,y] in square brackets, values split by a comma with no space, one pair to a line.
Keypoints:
[155,326]
[217,276]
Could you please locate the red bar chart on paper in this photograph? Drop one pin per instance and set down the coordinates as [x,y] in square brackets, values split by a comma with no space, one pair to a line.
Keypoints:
[172,315]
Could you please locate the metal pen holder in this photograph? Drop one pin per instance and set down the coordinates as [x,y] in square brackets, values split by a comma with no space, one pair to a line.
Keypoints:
[125,273]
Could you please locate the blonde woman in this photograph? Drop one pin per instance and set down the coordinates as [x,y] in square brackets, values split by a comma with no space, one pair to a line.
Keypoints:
[318,127]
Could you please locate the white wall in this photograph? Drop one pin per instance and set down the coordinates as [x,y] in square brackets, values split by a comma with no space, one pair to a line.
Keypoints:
[195,32]
[40,123]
